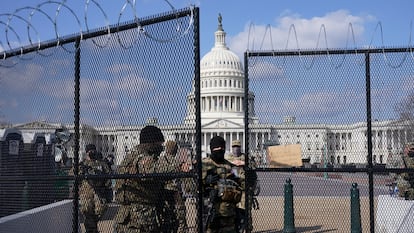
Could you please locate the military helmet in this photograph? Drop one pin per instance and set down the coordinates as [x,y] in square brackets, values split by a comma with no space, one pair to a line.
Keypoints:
[236,143]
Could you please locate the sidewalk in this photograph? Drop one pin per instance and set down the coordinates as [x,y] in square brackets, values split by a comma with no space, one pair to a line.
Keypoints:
[312,215]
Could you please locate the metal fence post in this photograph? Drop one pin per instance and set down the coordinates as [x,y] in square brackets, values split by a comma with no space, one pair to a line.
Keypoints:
[289,218]
[355,210]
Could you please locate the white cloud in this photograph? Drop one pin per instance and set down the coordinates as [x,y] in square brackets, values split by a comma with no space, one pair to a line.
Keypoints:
[323,105]
[22,79]
[320,103]
[265,70]
[337,25]
[408,83]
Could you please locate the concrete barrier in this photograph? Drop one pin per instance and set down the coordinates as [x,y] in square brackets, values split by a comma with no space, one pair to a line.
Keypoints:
[394,215]
[52,218]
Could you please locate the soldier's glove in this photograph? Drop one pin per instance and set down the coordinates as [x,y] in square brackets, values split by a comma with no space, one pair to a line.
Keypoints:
[212,179]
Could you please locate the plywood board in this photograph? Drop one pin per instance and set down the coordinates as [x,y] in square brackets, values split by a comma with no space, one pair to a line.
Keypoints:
[285,155]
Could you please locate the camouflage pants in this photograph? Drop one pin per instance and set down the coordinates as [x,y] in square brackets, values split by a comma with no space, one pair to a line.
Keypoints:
[93,208]
[137,218]
[181,213]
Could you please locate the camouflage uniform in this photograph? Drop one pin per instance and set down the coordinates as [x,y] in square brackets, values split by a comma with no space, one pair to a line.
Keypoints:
[239,162]
[169,163]
[227,195]
[405,182]
[143,207]
[92,193]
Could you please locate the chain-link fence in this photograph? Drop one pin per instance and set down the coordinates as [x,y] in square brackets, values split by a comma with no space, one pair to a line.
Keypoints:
[334,118]
[337,117]
[58,97]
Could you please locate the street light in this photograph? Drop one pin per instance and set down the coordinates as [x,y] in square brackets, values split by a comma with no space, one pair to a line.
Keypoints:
[324,156]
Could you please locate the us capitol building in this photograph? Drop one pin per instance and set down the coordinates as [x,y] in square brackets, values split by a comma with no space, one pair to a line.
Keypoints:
[222,113]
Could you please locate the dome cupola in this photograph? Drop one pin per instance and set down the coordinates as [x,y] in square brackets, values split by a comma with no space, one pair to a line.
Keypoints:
[220,58]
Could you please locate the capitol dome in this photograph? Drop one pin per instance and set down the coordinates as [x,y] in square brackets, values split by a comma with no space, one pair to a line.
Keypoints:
[222,87]
[221,59]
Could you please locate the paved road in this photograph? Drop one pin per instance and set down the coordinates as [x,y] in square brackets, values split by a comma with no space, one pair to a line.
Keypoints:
[311,214]
[320,205]
[316,185]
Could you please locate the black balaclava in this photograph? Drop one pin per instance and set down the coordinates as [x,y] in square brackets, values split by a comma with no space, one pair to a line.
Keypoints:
[150,134]
[217,155]
[153,137]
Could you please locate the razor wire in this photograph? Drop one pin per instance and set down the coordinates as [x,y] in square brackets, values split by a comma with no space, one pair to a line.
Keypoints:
[323,35]
[33,40]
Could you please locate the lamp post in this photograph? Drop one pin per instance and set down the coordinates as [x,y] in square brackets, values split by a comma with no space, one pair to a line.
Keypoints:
[325,155]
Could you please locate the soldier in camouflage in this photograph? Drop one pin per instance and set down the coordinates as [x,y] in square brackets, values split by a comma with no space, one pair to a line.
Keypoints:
[92,192]
[175,203]
[237,158]
[143,200]
[405,181]
[221,188]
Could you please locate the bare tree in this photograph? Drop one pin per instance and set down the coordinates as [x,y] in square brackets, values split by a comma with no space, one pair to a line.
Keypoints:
[405,110]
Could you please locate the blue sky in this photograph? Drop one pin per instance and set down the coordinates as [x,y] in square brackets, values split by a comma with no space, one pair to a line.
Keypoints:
[238,16]
[248,25]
